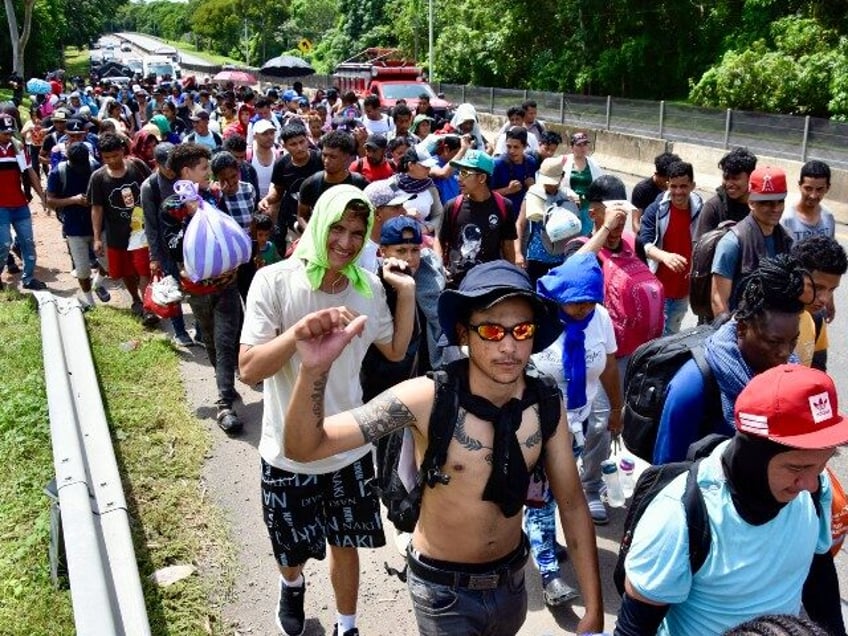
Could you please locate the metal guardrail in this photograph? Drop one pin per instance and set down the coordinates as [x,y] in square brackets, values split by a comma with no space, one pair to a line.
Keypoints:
[105,584]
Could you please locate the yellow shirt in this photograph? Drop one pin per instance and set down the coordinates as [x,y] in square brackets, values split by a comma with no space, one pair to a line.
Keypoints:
[807,342]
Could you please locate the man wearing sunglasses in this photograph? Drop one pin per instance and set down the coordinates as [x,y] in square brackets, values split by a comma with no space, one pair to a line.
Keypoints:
[467,554]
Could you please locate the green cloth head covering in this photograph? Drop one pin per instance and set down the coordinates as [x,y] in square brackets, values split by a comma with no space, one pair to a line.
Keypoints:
[161,123]
[313,244]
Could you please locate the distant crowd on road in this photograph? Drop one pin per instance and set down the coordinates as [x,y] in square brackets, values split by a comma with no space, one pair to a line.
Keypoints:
[491,315]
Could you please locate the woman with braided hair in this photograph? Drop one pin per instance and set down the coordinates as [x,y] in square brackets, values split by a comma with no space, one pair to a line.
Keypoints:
[761,334]
[778,625]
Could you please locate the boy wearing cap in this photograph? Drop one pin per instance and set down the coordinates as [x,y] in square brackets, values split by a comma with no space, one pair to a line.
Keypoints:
[14,209]
[388,203]
[767,529]
[201,133]
[308,505]
[467,554]
[373,166]
[400,238]
[477,227]
[756,236]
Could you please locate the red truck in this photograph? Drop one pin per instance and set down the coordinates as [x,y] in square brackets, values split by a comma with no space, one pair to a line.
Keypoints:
[389,76]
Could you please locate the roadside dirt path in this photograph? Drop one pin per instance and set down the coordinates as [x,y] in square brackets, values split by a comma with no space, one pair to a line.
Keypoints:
[232,479]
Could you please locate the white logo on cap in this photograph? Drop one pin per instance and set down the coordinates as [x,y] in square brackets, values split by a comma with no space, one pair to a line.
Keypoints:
[767,186]
[820,407]
[754,424]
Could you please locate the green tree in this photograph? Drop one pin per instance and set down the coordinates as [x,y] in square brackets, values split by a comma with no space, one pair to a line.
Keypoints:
[792,72]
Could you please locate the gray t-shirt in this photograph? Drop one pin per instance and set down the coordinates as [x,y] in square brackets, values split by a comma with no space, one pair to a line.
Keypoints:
[799,230]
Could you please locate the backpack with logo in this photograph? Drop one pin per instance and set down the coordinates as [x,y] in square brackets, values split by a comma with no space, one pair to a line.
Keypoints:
[701,271]
[633,296]
[401,484]
[648,375]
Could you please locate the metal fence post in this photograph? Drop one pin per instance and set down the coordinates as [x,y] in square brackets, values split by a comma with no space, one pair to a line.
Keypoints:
[562,108]
[492,100]
[609,110]
[662,117]
[525,94]
[463,100]
[728,117]
[806,138]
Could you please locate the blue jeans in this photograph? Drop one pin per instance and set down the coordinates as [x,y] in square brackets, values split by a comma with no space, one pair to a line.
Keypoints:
[218,315]
[540,526]
[445,610]
[21,219]
[674,311]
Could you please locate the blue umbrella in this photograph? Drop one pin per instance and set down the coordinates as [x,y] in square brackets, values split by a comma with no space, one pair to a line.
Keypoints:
[37,86]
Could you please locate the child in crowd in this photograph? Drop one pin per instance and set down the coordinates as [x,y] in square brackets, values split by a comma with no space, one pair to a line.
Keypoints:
[265,252]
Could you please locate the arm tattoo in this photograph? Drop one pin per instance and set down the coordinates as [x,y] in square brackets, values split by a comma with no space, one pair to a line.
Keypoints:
[317,396]
[382,415]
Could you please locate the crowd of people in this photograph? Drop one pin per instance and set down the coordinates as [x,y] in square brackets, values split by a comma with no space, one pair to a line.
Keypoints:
[396,254]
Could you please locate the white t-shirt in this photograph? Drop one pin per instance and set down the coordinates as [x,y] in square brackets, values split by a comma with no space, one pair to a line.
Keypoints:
[279,296]
[600,342]
[263,174]
[381,126]
[368,256]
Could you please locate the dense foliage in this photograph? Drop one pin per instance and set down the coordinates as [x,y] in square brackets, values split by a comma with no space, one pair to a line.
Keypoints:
[785,55]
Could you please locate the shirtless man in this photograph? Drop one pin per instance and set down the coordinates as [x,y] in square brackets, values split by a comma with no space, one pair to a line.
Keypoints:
[467,552]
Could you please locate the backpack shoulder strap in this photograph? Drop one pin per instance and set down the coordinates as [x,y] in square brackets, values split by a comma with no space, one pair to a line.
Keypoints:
[697,520]
[549,400]
[500,201]
[62,168]
[712,392]
[440,428]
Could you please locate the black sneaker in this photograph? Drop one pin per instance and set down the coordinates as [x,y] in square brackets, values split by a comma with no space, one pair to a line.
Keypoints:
[353,631]
[34,284]
[12,267]
[228,421]
[291,618]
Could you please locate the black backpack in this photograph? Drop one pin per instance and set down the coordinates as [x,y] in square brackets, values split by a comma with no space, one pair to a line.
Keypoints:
[653,480]
[650,483]
[701,274]
[404,505]
[649,371]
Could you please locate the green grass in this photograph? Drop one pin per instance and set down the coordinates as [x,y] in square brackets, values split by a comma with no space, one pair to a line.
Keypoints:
[188,47]
[160,448]
[76,62]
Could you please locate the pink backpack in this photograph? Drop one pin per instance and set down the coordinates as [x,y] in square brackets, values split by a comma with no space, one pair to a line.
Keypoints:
[633,296]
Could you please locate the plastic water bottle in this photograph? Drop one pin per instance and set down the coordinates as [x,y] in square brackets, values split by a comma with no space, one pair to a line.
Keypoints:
[609,472]
[625,476]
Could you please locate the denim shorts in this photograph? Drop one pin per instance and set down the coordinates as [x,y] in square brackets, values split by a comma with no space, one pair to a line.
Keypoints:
[486,601]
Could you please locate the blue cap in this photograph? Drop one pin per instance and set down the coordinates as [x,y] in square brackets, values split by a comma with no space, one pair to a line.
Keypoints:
[401,230]
[290,95]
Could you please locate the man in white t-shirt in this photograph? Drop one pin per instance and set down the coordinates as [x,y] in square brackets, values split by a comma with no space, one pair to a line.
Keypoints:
[375,122]
[307,505]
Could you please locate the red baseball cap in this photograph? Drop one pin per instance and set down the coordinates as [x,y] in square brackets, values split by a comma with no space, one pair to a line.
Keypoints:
[767,184]
[792,405]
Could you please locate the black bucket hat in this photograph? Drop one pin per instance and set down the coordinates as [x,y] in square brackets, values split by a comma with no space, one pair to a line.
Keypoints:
[489,283]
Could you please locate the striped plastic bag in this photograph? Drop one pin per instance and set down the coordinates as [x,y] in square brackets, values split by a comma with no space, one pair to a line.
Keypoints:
[214,243]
